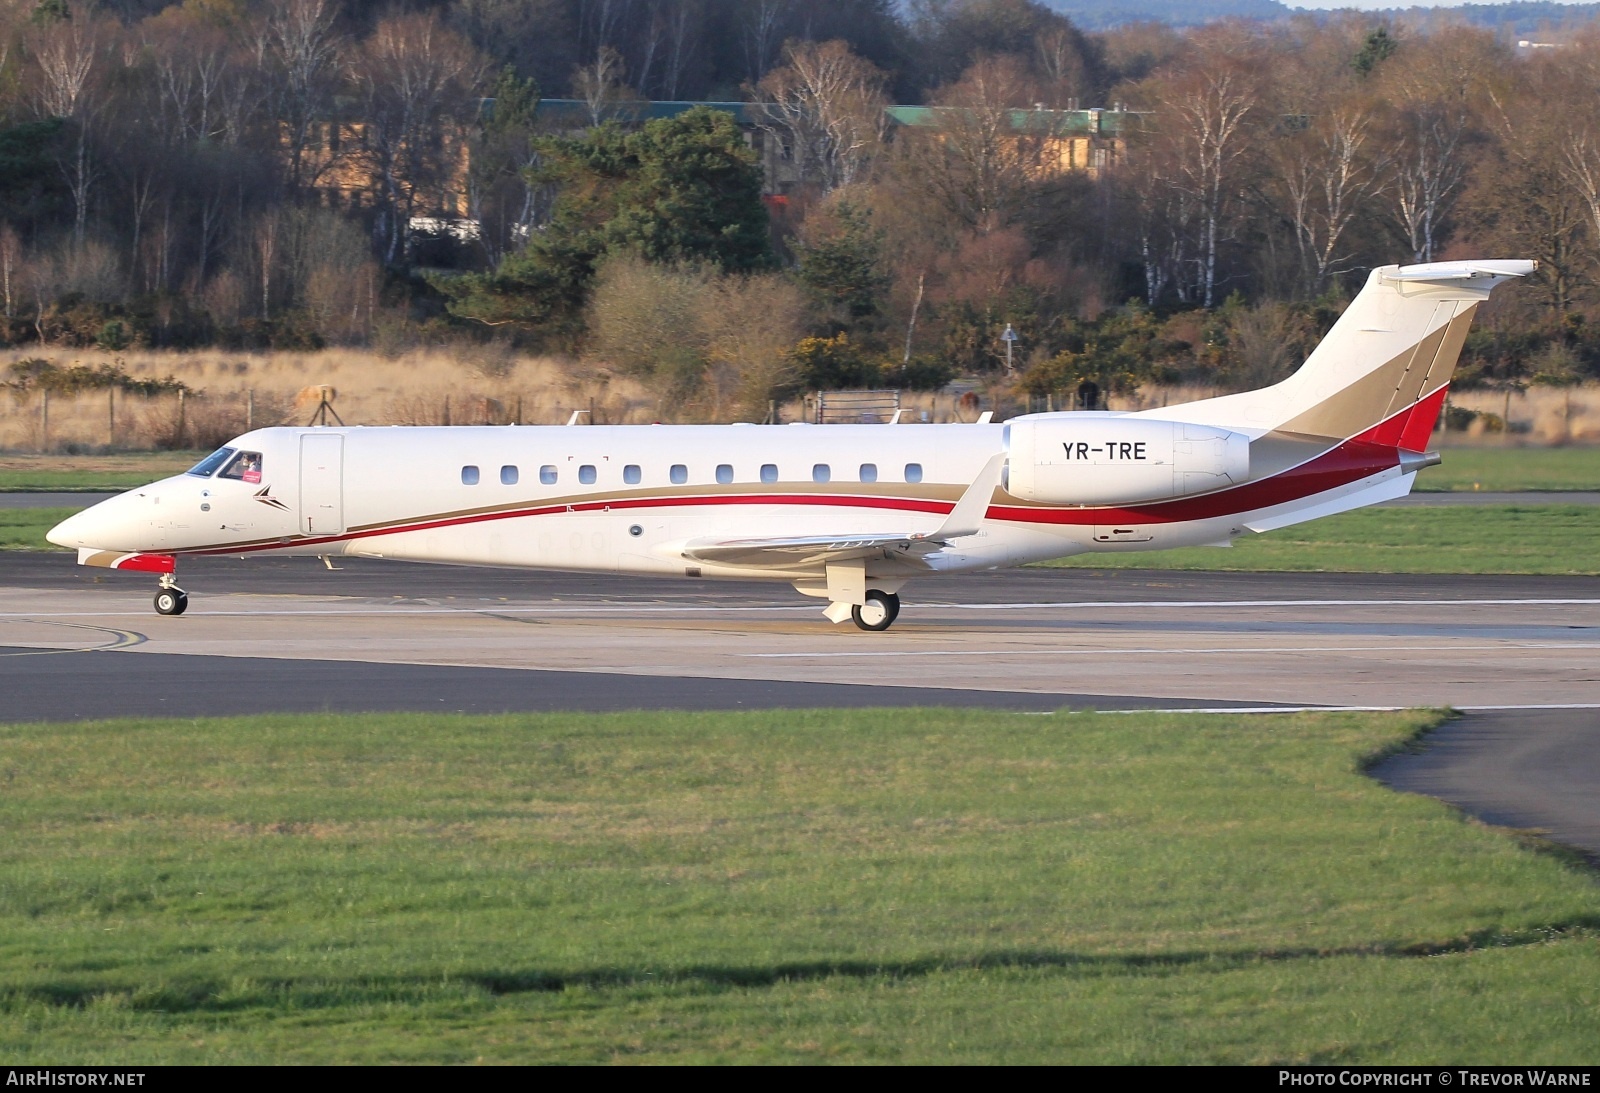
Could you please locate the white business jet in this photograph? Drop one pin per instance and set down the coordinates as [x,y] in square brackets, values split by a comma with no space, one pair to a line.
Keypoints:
[845,513]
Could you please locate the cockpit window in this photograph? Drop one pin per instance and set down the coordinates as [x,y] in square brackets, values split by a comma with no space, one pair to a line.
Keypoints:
[208,466]
[246,466]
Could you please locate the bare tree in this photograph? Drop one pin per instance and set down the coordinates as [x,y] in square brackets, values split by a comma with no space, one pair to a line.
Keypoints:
[600,85]
[264,238]
[195,72]
[296,42]
[1525,201]
[416,78]
[827,104]
[1161,216]
[1438,91]
[762,26]
[210,209]
[600,23]
[10,264]
[65,53]
[683,20]
[982,158]
[1571,82]
[1328,171]
[1061,65]
[1429,167]
[1203,111]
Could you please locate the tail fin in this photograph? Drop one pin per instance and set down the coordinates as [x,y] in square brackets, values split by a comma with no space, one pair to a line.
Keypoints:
[1384,367]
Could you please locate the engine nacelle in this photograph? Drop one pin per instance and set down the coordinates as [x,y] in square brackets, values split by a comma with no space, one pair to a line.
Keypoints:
[1108,459]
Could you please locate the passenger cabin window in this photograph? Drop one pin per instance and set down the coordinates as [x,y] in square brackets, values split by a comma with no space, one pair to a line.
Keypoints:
[208,466]
[679,474]
[724,473]
[469,475]
[586,474]
[769,472]
[547,475]
[508,476]
[869,472]
[913,472]
[821,473]
[244,467]
[631,474]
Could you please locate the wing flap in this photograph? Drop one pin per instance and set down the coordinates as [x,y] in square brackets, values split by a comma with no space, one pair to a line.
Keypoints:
[806,550]
[793,551]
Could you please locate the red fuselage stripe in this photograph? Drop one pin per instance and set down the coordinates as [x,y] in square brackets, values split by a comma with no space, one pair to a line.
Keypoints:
[1348,462]
[1362,456]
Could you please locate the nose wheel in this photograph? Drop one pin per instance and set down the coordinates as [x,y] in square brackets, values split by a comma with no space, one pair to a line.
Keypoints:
[170,599]
[878,613]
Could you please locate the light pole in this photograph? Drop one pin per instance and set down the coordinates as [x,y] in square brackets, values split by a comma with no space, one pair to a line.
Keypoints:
[1010,338]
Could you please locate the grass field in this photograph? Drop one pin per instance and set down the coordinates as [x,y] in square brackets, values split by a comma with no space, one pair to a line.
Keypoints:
[872,886]
[24,529]
[1557,539]
[1497,469]
[1552,539]
[50,473]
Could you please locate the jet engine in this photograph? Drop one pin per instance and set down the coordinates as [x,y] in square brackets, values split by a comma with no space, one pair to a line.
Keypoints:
[1109,459]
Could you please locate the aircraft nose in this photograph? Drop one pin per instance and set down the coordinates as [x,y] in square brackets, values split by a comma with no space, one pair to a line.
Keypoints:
[105,526]
[73,531]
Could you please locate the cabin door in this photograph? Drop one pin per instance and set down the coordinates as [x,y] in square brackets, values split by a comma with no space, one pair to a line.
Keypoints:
[322,484]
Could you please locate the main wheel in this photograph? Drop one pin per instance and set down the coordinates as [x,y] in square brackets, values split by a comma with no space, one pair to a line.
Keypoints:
[879,612]
[172,601]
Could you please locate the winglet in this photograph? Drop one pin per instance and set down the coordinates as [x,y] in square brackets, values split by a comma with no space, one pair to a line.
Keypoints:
[974,504]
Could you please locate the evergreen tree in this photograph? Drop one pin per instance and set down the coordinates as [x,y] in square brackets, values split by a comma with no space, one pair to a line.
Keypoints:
[680,190]
[1378,47]
[843,268]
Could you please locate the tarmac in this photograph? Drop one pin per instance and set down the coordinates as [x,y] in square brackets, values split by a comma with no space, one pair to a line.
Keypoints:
[1521,655]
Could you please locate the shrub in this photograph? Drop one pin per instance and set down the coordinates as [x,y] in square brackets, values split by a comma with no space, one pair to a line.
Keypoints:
[712,345]
[830,364]
[919,373]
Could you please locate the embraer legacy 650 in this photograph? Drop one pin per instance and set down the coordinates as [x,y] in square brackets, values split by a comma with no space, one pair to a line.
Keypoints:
[846,513]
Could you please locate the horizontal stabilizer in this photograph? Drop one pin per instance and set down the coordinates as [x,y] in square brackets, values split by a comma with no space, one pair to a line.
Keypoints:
[1463,271]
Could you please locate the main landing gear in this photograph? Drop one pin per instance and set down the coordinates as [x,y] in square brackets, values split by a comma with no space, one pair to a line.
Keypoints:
[878,613]
[170,599]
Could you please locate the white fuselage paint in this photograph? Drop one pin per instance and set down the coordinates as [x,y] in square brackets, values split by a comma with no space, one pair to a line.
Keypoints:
[398,492]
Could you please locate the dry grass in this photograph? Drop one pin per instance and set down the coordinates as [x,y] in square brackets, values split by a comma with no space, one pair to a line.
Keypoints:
[471,385]
[1539,416]
[493,385]
[464,385]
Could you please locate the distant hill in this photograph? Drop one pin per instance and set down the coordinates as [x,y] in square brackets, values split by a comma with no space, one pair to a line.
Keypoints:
[1104,14]
[1524,16]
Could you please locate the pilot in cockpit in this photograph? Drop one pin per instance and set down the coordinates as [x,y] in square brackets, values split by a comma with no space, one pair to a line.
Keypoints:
[246,467]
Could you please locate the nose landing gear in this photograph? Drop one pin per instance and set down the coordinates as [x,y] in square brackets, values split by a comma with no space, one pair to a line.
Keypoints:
[170,599]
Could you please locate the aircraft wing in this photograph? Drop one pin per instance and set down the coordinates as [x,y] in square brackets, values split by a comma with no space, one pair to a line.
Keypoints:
[807,550]
[787,552]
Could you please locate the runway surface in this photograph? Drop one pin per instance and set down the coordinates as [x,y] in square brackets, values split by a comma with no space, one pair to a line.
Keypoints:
[288,634]
[14,499]
[1529,769]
